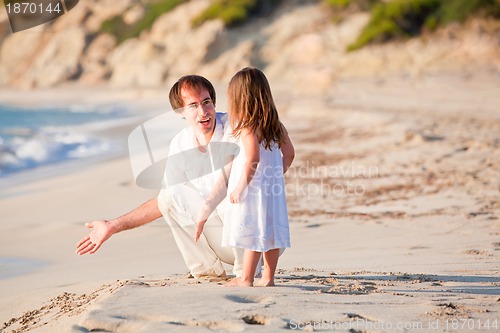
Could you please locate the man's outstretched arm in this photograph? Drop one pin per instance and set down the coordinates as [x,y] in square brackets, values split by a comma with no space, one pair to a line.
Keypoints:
[102,229]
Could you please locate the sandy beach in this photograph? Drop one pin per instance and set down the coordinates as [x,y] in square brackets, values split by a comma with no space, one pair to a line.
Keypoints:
[393,202]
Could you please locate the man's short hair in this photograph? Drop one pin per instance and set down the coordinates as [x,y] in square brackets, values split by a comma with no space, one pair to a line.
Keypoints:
[191,82]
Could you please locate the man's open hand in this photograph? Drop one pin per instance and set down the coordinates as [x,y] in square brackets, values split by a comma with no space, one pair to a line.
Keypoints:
[101,231]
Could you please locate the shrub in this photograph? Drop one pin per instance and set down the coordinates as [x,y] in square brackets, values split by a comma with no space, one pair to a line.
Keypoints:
[401,19]
[338,3]
[460,10]
[117,27]
[396,19]
[231,12]
[357,4]
[234,12]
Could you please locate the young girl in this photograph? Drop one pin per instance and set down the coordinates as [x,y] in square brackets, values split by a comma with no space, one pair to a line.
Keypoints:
[256,217]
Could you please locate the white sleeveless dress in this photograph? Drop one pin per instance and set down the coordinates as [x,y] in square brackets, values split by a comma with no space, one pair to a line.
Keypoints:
[260,221]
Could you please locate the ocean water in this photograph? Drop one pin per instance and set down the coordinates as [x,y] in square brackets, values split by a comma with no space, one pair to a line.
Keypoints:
[12,267]
[33,137]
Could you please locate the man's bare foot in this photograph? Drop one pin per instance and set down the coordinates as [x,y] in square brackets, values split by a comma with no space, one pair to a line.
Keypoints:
[211,278]
[238,282]
[218,279]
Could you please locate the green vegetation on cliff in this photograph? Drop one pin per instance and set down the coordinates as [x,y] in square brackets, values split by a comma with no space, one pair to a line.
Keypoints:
[359,4]
[389,20]
[154,9]
[234,12]
[400,19]
[396,19]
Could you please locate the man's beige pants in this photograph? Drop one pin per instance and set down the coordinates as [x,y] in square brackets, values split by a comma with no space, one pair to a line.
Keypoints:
[179,206]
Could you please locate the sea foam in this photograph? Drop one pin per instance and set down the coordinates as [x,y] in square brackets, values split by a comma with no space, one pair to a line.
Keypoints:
[35,137]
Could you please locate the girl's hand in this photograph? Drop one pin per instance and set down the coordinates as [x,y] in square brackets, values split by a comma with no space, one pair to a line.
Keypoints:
[199,230]
[235,197]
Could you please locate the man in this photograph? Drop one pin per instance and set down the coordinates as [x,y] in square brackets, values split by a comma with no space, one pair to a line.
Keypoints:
[188,182]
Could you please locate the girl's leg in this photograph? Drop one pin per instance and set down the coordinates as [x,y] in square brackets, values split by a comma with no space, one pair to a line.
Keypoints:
[270,264]
[250,261]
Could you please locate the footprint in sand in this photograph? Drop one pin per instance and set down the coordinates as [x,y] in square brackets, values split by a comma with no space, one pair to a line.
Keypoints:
[355,316]
[215,325]
[249,299]
[418,247]
[255,319]
[449,310]
[316,225]
[478,252]
[350,288]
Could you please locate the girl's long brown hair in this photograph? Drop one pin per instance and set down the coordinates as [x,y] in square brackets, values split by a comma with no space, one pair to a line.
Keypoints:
[251,106]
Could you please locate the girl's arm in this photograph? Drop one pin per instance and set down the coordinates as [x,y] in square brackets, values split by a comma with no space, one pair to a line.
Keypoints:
[288,151]
[215,197]
[252,152]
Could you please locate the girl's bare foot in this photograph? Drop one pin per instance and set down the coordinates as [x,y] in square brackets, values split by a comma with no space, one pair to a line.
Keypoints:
[238,282]
[265,283]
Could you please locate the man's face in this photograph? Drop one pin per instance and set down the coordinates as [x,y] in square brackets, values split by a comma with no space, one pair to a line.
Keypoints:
[199,110]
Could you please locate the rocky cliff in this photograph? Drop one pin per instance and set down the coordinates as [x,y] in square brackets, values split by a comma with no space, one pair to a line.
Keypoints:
[297,44]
